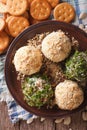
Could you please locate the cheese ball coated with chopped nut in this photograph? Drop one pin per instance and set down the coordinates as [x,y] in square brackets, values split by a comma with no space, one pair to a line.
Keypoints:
[68,95]
[56,46]
[27,60]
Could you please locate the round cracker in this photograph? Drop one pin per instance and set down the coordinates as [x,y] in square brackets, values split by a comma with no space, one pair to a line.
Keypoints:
[3,8]
[29,2]
[4,41]
[7,31]
[6,15]
[7,21]
[34,21]
[17,7]
[3,1]
[40,9]
[2,24]
[64,12]
[17,24]
[53,3]
[26,15]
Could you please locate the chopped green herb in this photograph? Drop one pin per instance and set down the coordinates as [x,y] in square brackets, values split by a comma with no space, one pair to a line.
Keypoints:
[37,91]
[76,66]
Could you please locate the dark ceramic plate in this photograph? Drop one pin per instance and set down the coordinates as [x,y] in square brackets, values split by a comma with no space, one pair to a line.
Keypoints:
[11,75]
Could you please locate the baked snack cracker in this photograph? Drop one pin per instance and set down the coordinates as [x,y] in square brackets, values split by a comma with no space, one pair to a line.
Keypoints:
[2,24]
[17,24]
[7,21]
[3,8]
[8,18]
[6,15]
[17,7]
[6,30]
[34,21]
[40,9]
[64,12]
[29,1]
[26,14]
[53,3]
[3,1]
[4,41]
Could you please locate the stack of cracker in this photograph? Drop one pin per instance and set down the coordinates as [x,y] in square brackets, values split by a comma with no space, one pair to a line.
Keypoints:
[20,14]
[14,21]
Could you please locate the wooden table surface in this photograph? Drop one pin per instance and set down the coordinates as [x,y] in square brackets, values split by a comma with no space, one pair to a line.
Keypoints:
[77,122]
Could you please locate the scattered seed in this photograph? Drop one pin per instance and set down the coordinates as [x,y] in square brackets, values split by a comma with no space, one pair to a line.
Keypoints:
[42,119]
[86,26]
[85,29]
[67,120]
[29,121]
[82,15]
[70,128]
[59,120]
[81,26]
[84,116]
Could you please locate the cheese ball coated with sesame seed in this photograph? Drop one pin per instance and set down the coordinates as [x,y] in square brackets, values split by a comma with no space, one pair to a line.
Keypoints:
[56,46]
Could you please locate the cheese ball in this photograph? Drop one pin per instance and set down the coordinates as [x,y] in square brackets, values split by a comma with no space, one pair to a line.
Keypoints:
[56,46]
[27,60]
[37,90]
[68,95]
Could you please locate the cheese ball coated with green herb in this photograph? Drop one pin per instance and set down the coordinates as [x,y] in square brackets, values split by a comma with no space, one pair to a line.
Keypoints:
[37,91]
[76,66]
